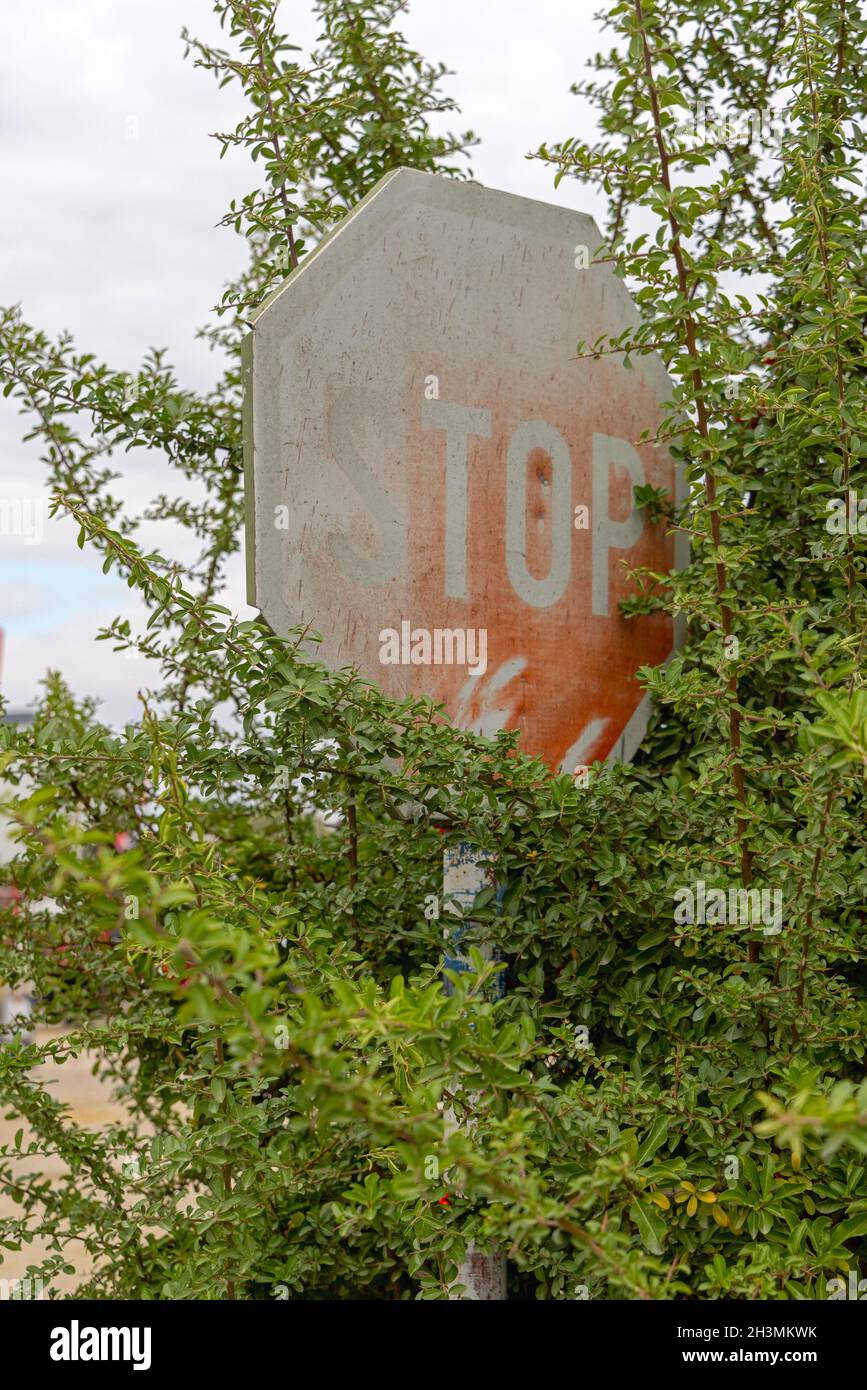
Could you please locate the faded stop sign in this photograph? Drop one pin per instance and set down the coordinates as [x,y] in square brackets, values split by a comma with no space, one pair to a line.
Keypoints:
[439,487]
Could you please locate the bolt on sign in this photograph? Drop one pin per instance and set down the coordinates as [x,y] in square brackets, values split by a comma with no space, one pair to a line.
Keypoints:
[437,484]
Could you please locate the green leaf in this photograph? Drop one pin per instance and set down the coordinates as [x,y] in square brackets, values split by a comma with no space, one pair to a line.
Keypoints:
[655,1139]
[855,1226]
[651,1225]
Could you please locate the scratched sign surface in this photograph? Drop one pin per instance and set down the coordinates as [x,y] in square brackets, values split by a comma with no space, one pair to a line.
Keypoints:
[439,487]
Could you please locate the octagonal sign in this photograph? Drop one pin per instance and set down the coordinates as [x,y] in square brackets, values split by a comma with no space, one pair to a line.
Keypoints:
[439,487]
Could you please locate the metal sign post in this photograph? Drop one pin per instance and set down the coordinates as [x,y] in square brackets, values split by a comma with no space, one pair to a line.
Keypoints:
[465,875]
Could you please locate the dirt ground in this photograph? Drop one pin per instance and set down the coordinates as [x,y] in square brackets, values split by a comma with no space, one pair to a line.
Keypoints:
[91,1107]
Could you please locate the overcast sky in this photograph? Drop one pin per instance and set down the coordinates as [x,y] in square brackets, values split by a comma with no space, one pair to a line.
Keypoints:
[111,193]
